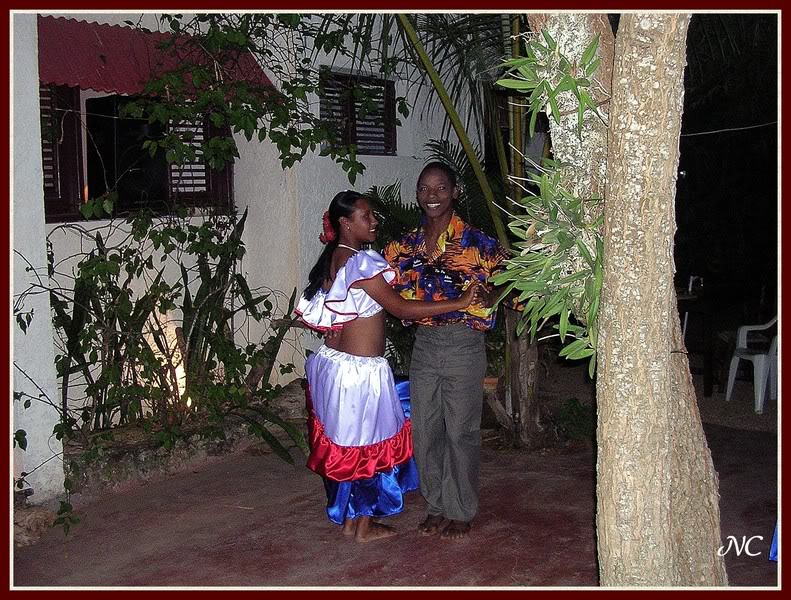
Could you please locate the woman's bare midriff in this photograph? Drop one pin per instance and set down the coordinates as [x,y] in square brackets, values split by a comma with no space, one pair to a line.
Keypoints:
[361,337]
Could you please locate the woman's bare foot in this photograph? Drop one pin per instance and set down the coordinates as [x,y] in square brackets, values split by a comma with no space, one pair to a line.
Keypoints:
[369,530]
[431,525]
[349,527]
[455,530]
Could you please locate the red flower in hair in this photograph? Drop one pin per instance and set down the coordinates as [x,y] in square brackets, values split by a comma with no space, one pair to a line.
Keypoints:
[329,233]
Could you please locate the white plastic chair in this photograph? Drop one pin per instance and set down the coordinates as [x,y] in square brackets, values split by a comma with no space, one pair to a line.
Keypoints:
[764,364]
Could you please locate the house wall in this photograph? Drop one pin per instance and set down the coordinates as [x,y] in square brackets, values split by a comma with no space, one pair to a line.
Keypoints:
[33,351]
[285,206]
[271,238]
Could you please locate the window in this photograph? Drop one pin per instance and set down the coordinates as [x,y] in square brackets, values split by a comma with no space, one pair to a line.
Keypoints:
[115,159]
[362,109]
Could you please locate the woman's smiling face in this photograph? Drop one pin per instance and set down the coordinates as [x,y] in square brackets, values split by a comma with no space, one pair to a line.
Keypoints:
[362,222]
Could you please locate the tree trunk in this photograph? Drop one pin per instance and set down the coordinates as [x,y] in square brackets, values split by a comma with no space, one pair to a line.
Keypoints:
[515,405]
[657,491]
[586,154]
[586,176]
[531,427]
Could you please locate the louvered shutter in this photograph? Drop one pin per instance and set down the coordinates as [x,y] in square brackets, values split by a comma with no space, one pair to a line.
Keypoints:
[61,144]
[373,134]
[49,145]
[335,105]
[362,111]
[194,183]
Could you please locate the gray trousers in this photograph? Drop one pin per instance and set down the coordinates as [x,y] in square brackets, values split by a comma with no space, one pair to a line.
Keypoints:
[446,388]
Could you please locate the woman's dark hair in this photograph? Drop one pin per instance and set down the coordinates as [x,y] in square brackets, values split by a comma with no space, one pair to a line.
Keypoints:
[440,166]
[342,205]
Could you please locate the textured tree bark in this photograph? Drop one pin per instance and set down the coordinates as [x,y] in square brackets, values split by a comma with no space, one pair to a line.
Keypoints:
[526,420]
[530,425]
[586,154]
[657,491]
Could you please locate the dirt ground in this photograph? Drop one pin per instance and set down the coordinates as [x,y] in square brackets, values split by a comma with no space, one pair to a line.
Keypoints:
[250,520]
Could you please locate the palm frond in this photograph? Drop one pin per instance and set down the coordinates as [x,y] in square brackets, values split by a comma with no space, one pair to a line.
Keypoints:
[369,43]
[719,47]
[466,50]
[395,217]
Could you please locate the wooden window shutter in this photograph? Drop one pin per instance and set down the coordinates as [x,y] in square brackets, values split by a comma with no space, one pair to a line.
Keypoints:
[361,110]
[374,126]
[336,105]
[194,183]
[61,152]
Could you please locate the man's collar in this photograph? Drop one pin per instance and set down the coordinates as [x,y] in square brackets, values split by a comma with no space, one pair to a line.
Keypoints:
[455,225]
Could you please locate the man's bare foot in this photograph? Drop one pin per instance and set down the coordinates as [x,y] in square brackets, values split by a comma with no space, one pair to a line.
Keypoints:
[431,525]
[369,530]
[349,527]
[455,530]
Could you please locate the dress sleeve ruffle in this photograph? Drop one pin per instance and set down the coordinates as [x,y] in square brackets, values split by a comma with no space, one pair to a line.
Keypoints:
[341,304]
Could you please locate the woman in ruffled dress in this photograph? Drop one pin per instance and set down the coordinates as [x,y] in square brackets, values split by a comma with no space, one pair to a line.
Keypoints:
[360,440]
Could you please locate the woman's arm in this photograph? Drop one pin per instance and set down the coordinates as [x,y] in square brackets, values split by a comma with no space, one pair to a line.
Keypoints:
[413,310]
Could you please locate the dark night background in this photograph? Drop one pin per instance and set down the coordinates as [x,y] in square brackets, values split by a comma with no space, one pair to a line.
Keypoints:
[727,194]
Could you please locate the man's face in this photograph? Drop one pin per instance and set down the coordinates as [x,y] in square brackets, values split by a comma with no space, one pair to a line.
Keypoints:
[435,194]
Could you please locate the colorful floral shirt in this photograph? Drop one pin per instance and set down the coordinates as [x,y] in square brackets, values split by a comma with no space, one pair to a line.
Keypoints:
[462,252]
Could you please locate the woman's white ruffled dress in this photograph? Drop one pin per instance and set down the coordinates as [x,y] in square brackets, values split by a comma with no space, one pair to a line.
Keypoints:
[360,439]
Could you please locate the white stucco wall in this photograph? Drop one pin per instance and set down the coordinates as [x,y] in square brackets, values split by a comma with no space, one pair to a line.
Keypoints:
[32,351]
[271,238]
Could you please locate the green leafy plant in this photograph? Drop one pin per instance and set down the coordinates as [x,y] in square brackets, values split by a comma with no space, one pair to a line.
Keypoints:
[544,73]
[163,354]
[557,272]
[20,439]
[213,53]
[23,319]
[100,207]
[66,517]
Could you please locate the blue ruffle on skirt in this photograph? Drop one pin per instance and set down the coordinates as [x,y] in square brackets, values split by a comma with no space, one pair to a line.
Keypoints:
[402,387]
[773,547]
[379,496]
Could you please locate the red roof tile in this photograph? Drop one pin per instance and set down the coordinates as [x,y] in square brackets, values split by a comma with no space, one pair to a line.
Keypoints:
[113,58]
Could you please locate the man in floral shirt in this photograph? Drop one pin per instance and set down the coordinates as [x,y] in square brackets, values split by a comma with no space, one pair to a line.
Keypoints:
[435,262]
